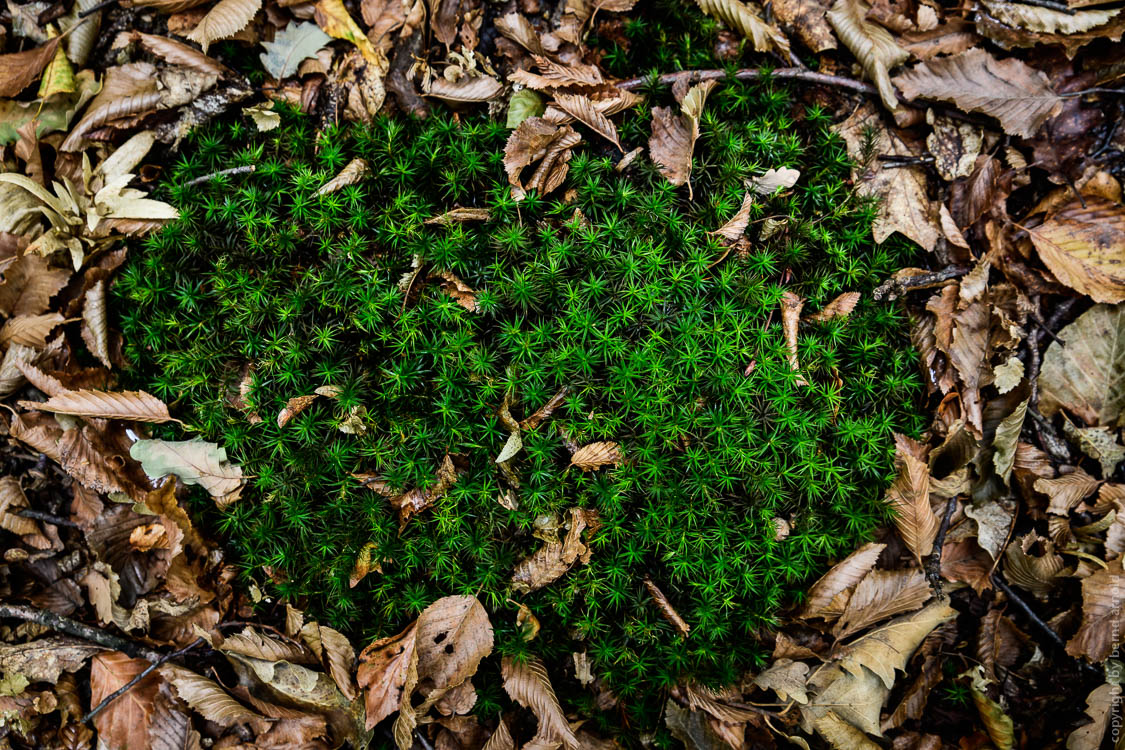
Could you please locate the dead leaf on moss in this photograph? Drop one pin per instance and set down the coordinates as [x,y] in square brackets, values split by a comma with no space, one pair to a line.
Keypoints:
[666,609]
[674,135]
[547,564]
[791,305]
[596,455]
[354,171]
[742,18]
[839,307]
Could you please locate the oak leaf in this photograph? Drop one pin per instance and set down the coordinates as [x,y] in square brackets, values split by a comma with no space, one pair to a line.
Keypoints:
[291,46]
[1013,92]
[1084,246]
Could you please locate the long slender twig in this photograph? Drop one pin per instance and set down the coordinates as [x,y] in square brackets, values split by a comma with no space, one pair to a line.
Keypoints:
[131,683]
[221,173]
[46,518]
[933,564]
[1028,612]
[893,288]
[750,74]
[77,629]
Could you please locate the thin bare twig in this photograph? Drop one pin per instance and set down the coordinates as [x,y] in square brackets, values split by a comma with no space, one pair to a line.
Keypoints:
[77,629]
[751,74]
[893,288]
[933,564]
[222,173]
[46,518]
[1037,621]
[132,683]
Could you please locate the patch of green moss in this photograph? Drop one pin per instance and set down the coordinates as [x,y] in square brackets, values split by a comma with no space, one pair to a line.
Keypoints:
[668,343]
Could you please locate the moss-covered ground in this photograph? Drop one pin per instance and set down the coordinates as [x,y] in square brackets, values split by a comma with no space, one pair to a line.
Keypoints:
[667,343]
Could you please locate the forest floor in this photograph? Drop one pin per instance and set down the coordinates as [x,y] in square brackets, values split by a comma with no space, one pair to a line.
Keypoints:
[989,613]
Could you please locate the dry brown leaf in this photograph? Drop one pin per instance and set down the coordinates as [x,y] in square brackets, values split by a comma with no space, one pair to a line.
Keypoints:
[553,75]
[1032,563]
[414,501]
[674,135]
[596,455]
[666,609]
[808,18]
[94,330]
[465,89]
[840,307]
[1103,614]
[460,216]
[384,667]
[178,53]
[528,684]
[12,500]
[1084,246]
[364,564]
[124,723]
[1016,94]
[828,596]
[739,16]
[29,330]
[969,355]
[224,20]
[335,653]
[207,697]
[1066,491]
[1099,707]
[787,678]
[545,411]
[137,406]
[582,109]
[547,564]
[500,739]
[904,203]
[293,407]
[517,28]
[880,595]
[18,70]
[772,180]
[454,634]
[29,283]
[737,224]
[536,140]
[909,497]
[46,659]
[874,47]
[791,305]
[463,294]
[1087,376]
[354,171]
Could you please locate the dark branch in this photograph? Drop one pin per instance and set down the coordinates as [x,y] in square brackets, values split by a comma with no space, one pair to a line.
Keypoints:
[77,629]
[131,683]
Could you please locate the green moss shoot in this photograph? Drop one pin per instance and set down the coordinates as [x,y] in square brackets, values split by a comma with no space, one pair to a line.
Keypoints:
[631,308]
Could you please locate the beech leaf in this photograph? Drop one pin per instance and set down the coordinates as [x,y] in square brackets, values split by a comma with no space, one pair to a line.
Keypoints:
[909,497]
[528,684]
[193,461]
[838,583]
[1013,92]
[1087,376]
[874,47]
[1084,246]
[596,455]
[225,19]
[582,109]
[137,406]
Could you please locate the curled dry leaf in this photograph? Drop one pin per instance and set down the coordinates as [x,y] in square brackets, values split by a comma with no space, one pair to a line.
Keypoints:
[547,564]
[1103,614]
[553,75]
[674,135]
[737,224]
[1016,94]
[137,406]
[207,697]
[293,407]
[874,47]
[544,412]
[596,455]
[224,20]
[840,307]
[1032,563]
[414,501]
[364,564]
[828,596]
[528,684]
[739,16]
[582,109]
[1087,376]
[1084,246]
[787,678]
[465,89]
[1000,727]
[909,497]
[536,140]
[1099,707]
[94,330]
[774,180]
[517,28]
[29,330]
[193,461]
[791,305]
[880,595]
[463,294]
[353,172]
[666,609]
[460,216]
[19,69]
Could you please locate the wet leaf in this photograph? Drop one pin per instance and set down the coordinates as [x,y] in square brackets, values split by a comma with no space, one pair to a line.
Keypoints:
[124,723]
